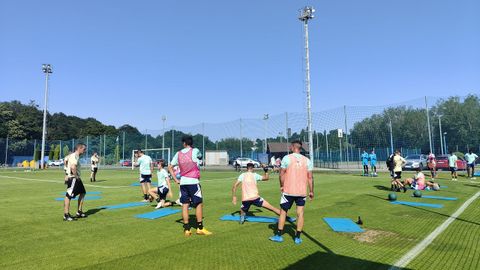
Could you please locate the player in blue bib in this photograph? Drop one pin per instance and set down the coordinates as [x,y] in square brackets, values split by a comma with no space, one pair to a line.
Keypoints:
[364,158]
[373,163]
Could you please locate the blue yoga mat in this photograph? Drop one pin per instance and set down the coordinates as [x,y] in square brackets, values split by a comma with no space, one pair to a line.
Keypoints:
[439,198]
[418,204]
[137,184]
[343,225]
[158,213]
[87,198]
[89,192]
[254,219]
[124,205]
[476,174]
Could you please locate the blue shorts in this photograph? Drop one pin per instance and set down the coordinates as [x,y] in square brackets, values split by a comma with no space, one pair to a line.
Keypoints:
[373,164]
[162,192]
[453,169]
[191,194]
[246,204]
[286,201]
[145,178]
[471,165]
[365,163]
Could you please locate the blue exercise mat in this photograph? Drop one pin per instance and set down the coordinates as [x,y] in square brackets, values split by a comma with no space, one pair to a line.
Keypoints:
[476,174]
[137,184]
[439,198]
[343,225]
[254,219]
[124,205]
[158,213]
[418,204]
[87,198]
[89,192]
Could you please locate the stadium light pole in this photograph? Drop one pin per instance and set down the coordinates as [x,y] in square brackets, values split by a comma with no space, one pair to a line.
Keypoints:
[47,69]
[391,134]
[307,14]
[445,141]
[440,128]
[265,119]
[164,118]
[428,123]
[123,147]
[241,139]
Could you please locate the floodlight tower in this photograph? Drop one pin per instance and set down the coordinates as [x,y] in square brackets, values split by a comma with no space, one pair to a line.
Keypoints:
[164,118]
[47,69]
[307,14]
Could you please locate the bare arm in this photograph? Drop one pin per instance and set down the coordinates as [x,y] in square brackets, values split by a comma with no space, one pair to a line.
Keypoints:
[265,177]
[169,187]
[310,185]
[282,178]
[73,170]
[234,192]
[172,173]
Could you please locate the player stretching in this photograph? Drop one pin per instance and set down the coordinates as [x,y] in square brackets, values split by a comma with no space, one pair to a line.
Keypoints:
[295,176]
[146,171]
[250,195]
[365,162]
[74,183]
[94,164]
[188,160]
[373,162]
[163,189]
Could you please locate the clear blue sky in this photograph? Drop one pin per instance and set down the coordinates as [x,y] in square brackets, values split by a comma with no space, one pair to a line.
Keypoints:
[214,61]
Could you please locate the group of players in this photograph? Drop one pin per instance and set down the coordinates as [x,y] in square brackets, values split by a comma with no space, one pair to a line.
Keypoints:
[296,184]
[372,157]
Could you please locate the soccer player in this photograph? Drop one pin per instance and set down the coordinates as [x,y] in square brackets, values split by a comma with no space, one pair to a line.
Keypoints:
[373,162]
[144,163]
[250,195]
[295,176]
[452,163]
[418,182]
[398,162]
[65,165]
[74,184]
[188,160]
[365,162]
[471,159]
[94,164]
[432,164]
[163,188]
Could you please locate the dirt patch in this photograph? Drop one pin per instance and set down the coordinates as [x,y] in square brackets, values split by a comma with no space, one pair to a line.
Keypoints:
[371,236]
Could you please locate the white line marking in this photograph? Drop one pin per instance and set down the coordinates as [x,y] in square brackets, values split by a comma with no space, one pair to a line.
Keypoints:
[415,251]
[58,182]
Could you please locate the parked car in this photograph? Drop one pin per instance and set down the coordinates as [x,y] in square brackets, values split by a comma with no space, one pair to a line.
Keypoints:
[55,163]
[416,161]
[127,163]
[244,161]
[442,163]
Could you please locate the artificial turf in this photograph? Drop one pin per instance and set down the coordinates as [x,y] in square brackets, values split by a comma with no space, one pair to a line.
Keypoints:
[33,235]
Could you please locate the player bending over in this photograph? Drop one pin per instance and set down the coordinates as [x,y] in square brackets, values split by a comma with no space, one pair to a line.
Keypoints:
[418,182]
[144,163]
[250,195]
[188,160]
[295,176]
[398,163]
[163,188]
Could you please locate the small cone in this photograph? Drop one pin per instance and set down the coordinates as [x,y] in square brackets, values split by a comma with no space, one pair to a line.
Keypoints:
[359,222]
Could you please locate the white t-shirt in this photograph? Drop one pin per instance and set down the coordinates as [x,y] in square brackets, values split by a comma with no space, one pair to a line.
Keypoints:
[162,178]
[145,164]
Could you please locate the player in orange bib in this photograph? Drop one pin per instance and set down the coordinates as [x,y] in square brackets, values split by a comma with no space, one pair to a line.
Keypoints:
[295,176]
[250,194]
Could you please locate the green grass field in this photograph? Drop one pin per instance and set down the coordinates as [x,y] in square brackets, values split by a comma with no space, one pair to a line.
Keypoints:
[33,235]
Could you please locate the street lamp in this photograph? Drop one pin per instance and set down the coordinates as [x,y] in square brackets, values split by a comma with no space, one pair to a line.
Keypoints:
[445,141]
[307,14]
[47,69]
[265,118]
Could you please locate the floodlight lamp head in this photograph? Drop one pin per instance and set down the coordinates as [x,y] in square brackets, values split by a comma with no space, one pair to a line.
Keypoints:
[306,13]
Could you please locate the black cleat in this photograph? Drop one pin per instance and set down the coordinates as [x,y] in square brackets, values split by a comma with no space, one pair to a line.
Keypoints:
[67,217]
[81,214]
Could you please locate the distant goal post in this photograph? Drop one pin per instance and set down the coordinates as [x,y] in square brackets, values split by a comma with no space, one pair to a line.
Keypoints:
[155,153]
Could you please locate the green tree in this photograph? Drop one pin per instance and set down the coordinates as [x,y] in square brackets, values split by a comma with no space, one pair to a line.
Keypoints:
[56,152]
[51,151]
[65,150]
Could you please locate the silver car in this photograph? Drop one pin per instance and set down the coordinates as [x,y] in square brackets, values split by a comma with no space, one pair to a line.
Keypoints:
[244,161]
[416,161]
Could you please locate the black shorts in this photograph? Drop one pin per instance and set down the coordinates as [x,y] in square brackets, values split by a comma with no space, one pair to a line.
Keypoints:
[246,204]
[145,178]
[453,169]
[287,201]
[74,187]
[94,170]
[397,175]
[162,192]
[191,194]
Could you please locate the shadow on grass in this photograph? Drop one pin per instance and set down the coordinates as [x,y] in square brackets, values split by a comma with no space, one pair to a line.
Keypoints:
[322,260]
[430,211]
[98,181]
[470,185]
[93,211]
[379,187]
